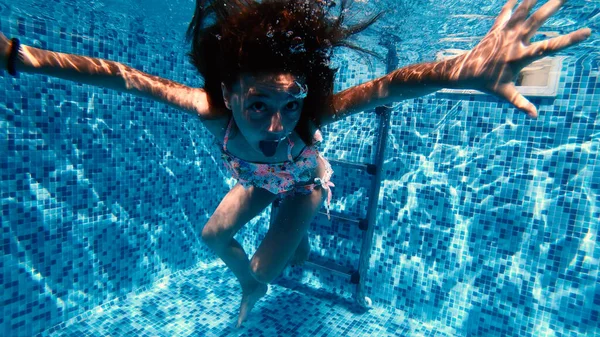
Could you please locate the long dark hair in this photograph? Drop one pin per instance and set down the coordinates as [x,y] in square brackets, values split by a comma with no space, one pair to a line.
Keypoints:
[231,37]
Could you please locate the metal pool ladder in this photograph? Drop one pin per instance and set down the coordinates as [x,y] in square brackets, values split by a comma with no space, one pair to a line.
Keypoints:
[367,224]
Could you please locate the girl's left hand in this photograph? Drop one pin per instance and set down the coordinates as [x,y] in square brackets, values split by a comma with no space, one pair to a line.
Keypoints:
[494,63]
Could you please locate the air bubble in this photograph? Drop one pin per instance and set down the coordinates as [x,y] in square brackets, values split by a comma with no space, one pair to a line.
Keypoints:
[299,48]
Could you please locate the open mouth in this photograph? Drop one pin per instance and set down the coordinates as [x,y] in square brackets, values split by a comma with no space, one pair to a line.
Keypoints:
[268,147]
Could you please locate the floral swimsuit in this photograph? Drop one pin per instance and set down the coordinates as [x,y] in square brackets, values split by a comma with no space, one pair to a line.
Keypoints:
[289,177]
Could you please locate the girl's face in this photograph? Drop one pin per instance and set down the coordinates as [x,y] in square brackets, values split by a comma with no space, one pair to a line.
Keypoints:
[266,108]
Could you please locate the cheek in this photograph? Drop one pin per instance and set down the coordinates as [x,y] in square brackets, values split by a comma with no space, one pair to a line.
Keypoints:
[291,123]
[251,125]
[296,116]
[294,120]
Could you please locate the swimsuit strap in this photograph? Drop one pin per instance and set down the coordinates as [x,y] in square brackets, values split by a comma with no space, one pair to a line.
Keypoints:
[291,144]
[227,134]
[290,149]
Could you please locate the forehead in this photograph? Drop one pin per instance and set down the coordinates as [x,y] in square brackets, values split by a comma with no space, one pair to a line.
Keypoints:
[269,83]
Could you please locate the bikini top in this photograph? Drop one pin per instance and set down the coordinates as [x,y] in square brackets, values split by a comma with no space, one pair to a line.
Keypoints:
[274,177]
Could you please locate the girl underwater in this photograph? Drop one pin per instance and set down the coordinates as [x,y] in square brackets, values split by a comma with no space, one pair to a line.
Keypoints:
[269,89]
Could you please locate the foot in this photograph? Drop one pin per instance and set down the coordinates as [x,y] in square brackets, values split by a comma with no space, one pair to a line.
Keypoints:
[302,252]
[249,298]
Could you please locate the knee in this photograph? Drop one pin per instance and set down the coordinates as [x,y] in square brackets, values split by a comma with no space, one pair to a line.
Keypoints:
[259,273]
[212,238]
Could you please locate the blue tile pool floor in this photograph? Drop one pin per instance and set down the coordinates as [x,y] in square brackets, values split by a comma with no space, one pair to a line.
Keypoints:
[204,302]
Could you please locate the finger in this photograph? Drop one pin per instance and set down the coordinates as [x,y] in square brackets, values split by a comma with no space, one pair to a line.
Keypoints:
[540,16]
[504,15]
[544,48]
[510,93]
[521,13]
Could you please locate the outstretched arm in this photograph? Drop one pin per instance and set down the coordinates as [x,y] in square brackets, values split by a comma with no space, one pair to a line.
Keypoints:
[107,74]
[490,67]
[409,82]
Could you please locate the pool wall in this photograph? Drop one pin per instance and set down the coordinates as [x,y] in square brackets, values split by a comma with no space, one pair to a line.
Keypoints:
[487,222]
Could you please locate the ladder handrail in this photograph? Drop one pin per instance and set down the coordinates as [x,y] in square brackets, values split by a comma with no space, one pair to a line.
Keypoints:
[367,238]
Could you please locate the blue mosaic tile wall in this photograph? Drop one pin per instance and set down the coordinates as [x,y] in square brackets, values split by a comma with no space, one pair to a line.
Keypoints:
[496,215]
[487,221]
[101,193]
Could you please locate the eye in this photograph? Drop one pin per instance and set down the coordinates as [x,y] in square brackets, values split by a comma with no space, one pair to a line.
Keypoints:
[258,106]
[292,105]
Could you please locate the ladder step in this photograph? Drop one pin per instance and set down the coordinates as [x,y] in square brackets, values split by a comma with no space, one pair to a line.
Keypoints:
[341,216]
[320,263]
[360,222]
[369,168]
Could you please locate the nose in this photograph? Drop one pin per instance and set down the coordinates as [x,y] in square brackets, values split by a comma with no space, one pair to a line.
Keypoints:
[276,126]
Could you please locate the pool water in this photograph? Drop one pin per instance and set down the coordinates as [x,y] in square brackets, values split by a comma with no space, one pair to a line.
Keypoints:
[487,221]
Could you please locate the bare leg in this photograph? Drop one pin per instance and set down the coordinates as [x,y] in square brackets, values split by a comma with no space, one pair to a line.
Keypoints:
[285,234]
[302,252]
[236,259]
[237,208]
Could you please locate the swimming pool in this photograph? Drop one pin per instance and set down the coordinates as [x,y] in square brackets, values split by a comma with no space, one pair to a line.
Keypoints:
[487,221]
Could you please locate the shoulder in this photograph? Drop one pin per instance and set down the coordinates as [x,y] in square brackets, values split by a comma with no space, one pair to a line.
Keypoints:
[217,124]
[316,132]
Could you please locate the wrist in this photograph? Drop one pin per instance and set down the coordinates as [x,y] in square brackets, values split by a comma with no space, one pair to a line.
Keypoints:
[459,75]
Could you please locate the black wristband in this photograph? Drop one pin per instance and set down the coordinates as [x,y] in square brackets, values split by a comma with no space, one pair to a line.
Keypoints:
[12,56]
